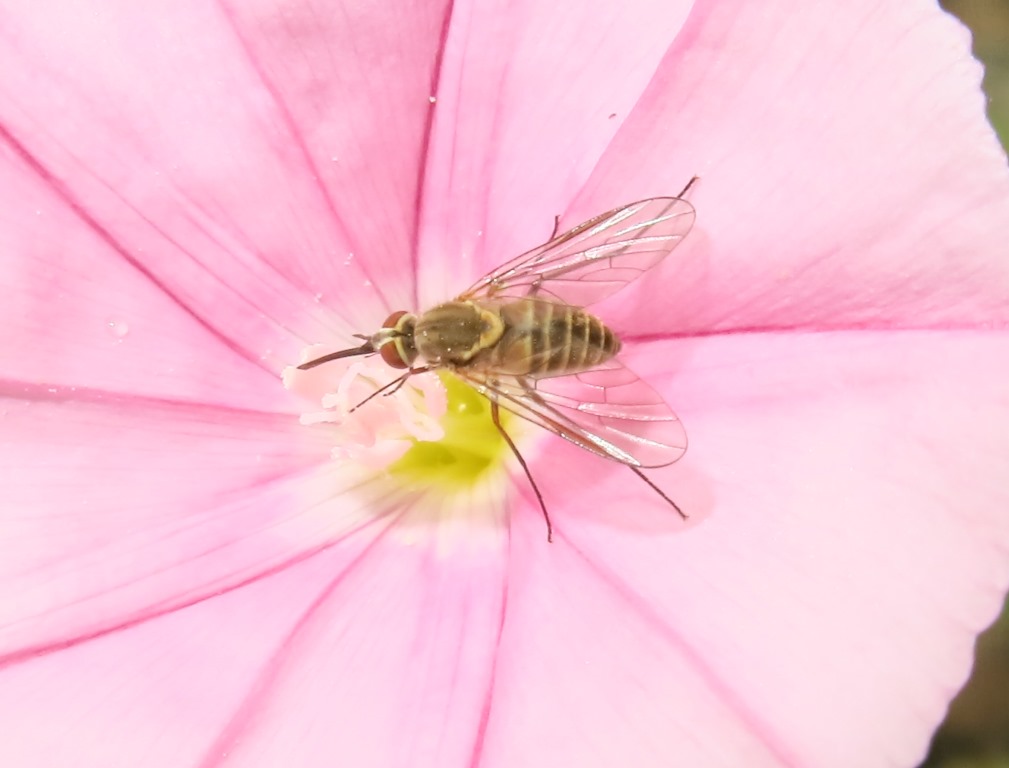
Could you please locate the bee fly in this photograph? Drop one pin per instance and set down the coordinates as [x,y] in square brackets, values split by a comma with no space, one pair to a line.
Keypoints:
[522,338]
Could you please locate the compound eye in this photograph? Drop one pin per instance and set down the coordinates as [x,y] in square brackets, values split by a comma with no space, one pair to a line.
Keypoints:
[391,350]
[390,354]
[393,320]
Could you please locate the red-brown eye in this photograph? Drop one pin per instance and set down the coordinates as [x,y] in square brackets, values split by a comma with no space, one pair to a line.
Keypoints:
[393,319]
[391,356]
[390,350]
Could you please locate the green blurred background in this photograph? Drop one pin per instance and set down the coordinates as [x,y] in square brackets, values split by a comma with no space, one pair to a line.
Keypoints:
[975,734]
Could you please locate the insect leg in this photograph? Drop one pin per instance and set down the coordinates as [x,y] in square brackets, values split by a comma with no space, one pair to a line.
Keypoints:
[658,490]
[496,416]
[533,395]
[402,380]
[557,225]
[393,386]
[693,180]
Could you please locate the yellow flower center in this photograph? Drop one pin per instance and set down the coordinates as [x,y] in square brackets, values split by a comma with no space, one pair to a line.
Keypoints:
[471,446]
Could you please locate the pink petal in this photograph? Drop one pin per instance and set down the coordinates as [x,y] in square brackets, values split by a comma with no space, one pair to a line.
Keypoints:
[850,540]
[292,670]
[80,316]
[848,175]
[229,157]
[396,666]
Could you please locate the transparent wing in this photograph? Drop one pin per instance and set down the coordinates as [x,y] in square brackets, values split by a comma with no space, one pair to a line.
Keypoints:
[595,259]
[608,411]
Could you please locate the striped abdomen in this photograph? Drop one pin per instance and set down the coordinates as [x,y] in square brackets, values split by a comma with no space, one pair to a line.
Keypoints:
[544,338]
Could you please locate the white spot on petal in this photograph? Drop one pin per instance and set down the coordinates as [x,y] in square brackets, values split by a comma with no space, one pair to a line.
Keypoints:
[118,328]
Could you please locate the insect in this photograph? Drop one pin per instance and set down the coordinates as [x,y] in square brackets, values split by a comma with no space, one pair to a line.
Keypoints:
[522,338]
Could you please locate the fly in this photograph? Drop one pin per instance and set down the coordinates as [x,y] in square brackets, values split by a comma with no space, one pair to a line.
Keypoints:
[521,336]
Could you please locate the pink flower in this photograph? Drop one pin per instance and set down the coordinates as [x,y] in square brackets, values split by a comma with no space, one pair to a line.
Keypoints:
[191,193]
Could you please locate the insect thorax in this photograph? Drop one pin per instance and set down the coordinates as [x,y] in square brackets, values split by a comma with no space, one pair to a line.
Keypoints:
[453,333]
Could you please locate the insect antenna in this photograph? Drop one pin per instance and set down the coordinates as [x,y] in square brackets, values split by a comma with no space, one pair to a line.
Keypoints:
[365,349]
[392,387]
[496,416]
